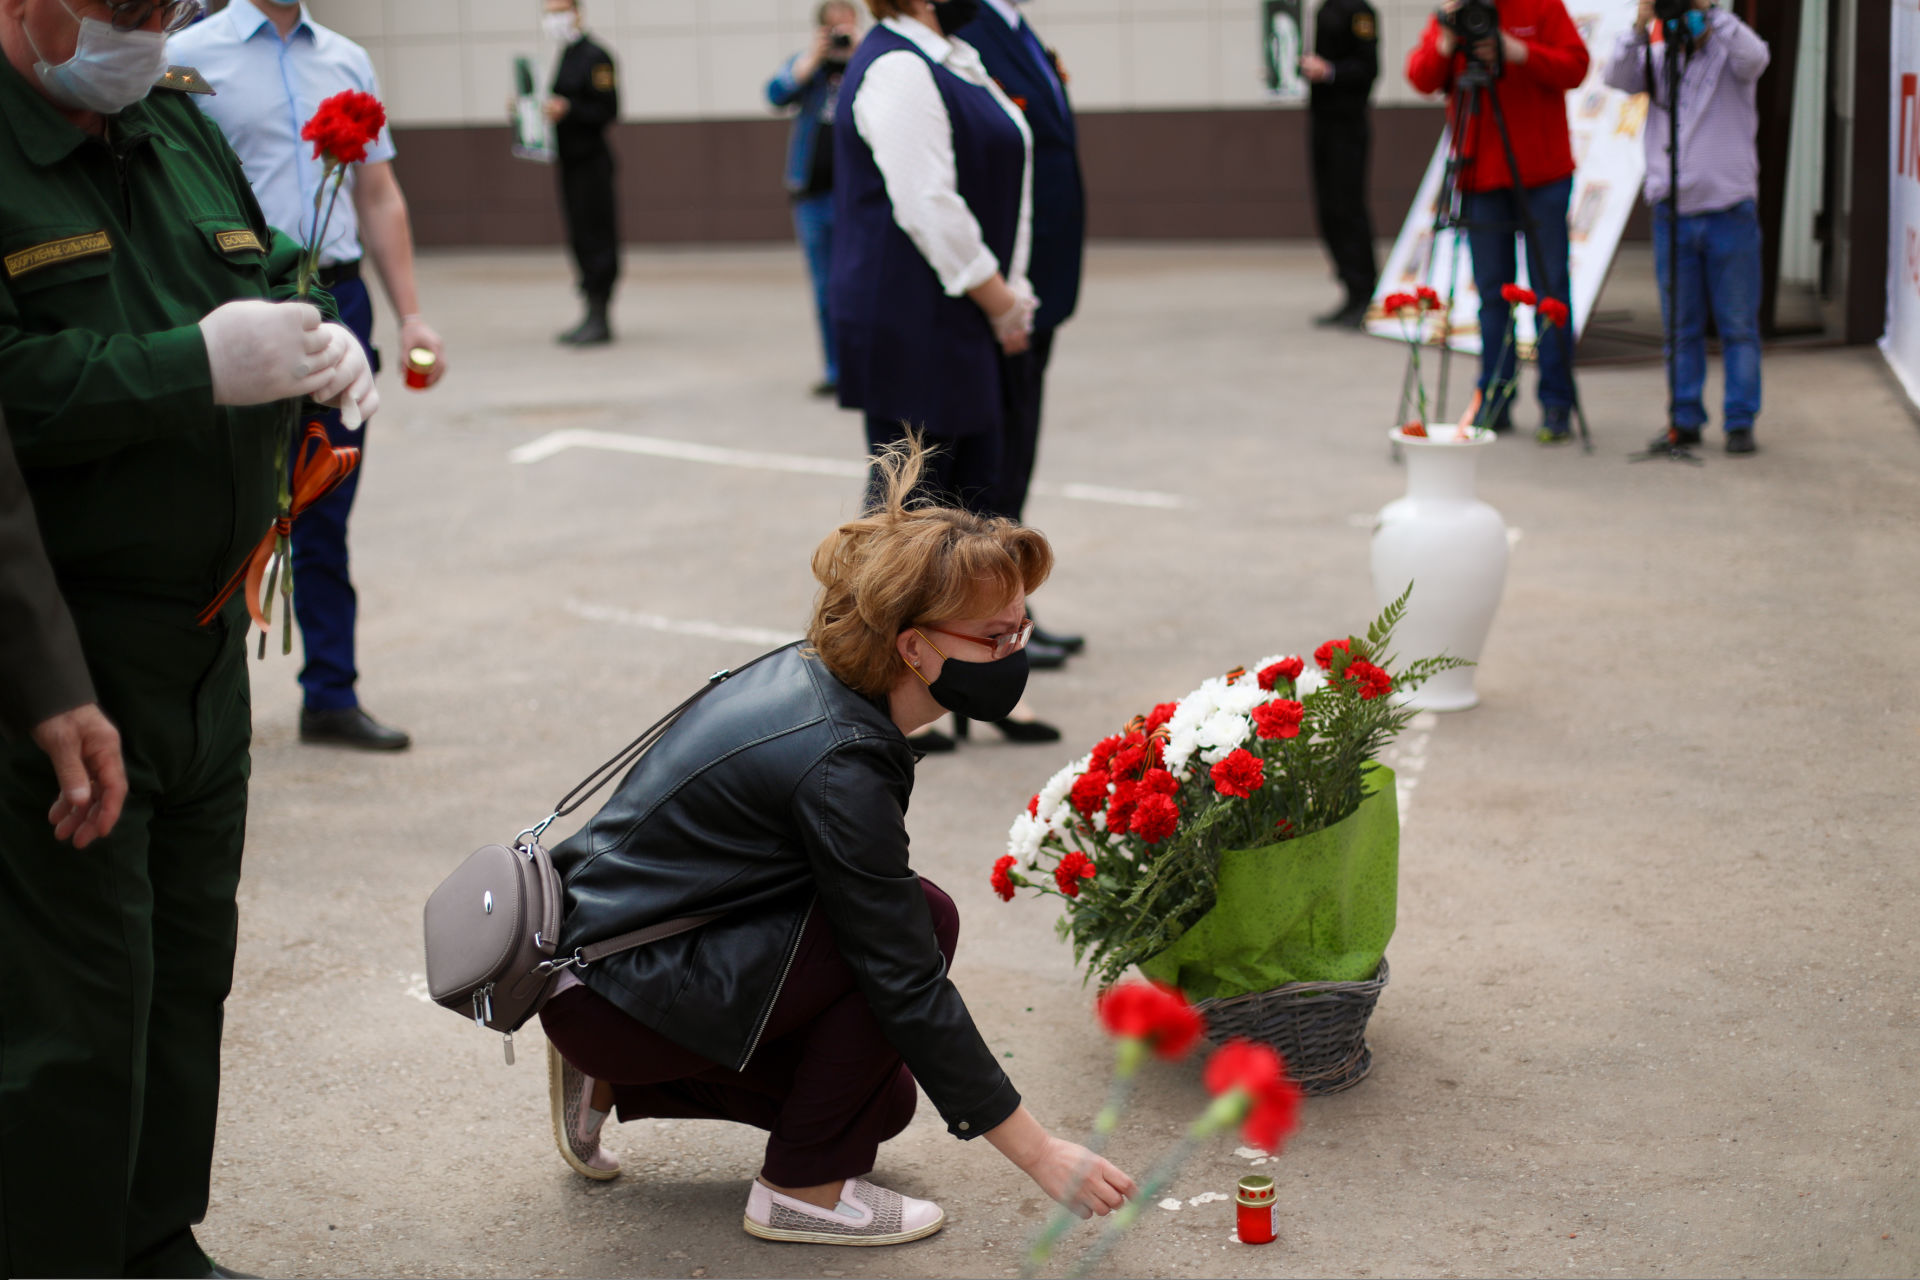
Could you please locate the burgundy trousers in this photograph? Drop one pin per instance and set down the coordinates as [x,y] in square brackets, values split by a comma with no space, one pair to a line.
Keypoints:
[824,1083]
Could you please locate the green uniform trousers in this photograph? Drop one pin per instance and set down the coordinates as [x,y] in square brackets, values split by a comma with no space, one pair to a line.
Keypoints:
[117,959]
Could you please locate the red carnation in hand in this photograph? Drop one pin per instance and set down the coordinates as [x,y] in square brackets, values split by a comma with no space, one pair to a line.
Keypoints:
[1324,654]
[1002,878]
[1428,298]
[1280,718]
[1073,868]
[1397,302]
[1158,782]
[1370,680]
[1241,774]
[1148,1011]
[1161,713]
[1261,1074]
[1089,794]
[1553,312]
[1126,794]
[1285,669]
[1155,818]
[343,127]
[1515,294]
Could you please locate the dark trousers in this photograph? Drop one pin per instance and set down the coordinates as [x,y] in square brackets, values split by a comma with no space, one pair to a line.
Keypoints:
[118,959]
[593,221]
[961,471]
[1337,143]
[324,601]
[824,1083]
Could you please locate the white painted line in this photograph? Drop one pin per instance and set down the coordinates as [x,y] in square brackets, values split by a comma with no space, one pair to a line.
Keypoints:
[679,626]
[804,464]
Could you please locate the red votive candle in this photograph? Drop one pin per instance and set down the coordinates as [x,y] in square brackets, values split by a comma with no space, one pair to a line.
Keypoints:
[420,364]
[1255,1209]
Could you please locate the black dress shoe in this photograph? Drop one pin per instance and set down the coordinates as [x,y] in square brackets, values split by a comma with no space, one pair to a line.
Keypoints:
[1741,441]
[1012,730]
[1045,657]
[227,1273]
[826,387]
[1349,316]
[1068,644]
[931,742]
[1684,436]
[350,727]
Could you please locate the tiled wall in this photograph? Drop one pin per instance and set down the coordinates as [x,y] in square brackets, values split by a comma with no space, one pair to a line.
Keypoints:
[447,62]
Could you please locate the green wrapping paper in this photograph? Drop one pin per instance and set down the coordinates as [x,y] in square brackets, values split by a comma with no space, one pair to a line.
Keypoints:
[1316,909]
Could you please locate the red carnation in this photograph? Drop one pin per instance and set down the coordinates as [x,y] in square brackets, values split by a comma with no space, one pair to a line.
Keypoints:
[1155,818]
[1553,312]
[1514,293]
[1148,1011]
[1275,1115]
[1103,751]
[1002,878]
[1324,654]
[1394,302]
[1160,714]
[1158,782]
[1280,718]
[1428,298]
[1089,794]
[1241,774]
[1370,680]
[343,127]
[1128,762]
[1126,794]
[1285,669]
[1033,807]
[1073,868]
[1260,1073]
[1415,429]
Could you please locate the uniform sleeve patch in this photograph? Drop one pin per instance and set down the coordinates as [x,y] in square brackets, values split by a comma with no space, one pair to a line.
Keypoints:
[603,77]
[238,242]
[1363,26]
[54,252]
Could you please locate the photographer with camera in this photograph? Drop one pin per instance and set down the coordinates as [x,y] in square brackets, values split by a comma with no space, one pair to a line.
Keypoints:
[809,84]
[1531,55]
[1712,258]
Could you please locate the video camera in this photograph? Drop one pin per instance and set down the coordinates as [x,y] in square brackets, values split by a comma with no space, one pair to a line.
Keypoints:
[1477,20]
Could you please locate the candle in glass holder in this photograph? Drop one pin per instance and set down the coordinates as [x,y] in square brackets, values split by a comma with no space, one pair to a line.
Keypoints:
[1254,1209]
[420,362]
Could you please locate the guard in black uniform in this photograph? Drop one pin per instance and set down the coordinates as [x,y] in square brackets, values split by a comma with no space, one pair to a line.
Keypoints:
[584,101]
[1341,71]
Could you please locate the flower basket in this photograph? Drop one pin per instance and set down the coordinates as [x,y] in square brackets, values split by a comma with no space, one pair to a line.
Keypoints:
[1318,908]
[1320,1028]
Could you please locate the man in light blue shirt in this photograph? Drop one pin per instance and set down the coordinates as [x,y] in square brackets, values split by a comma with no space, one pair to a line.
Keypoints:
[271,66]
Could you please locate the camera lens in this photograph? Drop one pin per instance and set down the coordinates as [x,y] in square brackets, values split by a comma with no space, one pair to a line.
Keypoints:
[841,40]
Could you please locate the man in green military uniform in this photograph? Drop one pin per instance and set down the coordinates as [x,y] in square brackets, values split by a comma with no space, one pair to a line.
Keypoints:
[141,366]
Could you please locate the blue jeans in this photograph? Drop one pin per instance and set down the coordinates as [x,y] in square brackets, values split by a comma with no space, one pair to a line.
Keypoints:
[324,602]
[1494,227]
[1719,269]
[813,222]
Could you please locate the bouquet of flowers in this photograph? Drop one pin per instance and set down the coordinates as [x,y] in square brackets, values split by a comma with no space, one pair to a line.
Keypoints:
[1487,408]
[1130,836]
[1422,302]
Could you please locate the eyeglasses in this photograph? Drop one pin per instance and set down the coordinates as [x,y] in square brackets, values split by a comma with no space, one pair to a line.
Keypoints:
[1002,645]
[176,15]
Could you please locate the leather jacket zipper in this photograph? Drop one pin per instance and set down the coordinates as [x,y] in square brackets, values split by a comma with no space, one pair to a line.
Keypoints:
[793,949]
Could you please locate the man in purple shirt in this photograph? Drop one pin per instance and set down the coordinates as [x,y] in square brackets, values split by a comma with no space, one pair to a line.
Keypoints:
[1718,250]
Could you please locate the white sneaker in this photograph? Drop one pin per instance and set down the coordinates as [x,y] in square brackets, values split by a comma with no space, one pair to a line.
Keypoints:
[575,1132]
[866,1214]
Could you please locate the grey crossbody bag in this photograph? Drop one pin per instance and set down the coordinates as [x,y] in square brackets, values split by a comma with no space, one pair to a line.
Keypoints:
[493,925]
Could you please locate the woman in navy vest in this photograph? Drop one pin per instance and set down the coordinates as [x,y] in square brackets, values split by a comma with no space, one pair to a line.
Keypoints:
[933,200]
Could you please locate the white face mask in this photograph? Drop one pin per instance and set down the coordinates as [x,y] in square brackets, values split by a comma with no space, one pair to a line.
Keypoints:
[561,27]
[109,71]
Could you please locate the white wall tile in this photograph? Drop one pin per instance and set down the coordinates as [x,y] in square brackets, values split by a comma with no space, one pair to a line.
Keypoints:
[680,15]
[1170,62]
[738,65]
[659,76]
[721,15]
[488,73]
[425,84]
[1095,61]
[424,18]
[360,20]
[503,17]
[1239,71]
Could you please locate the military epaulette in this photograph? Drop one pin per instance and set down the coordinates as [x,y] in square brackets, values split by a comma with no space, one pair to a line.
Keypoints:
[184,80]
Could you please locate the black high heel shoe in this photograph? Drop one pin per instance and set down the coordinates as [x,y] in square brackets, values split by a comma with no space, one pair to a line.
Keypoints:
[1013,730]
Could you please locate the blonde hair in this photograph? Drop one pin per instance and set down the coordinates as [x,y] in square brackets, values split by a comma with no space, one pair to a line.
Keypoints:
[911,560]
[884,9]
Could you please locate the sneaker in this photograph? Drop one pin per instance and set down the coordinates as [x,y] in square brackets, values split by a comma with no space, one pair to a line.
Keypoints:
[576,1126]
[866,1214]
[1741,441]
[1684,436]
[1556,426]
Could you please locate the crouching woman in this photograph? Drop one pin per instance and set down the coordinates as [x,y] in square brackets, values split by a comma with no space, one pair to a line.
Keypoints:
[819,994]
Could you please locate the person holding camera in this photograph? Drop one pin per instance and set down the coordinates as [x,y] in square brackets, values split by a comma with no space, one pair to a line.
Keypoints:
[1533,55]
[1718,261]
[1341,70]
[809,83]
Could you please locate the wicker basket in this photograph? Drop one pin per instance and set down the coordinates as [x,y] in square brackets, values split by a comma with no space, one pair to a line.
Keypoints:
[1320,1028]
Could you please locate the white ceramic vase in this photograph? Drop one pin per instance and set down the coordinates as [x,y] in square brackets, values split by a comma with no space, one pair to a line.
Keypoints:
[1453,548]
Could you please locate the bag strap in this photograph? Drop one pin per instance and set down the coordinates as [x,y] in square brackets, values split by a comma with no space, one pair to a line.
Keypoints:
[630,754]
[639,938]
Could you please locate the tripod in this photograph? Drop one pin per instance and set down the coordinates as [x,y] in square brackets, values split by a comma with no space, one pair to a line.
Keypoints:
[1672,67]
[1473,98]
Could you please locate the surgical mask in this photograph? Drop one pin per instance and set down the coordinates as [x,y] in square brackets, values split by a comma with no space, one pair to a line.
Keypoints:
[560,27]
[953,15]
[109,71]
[980,690]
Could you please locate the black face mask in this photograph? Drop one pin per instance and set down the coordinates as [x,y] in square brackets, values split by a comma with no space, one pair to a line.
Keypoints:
[953,15]
[981,690]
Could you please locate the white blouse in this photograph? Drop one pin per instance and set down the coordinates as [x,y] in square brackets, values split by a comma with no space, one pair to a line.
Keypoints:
[899,113]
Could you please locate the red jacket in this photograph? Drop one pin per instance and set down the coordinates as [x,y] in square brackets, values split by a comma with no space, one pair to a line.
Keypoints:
[1532,94]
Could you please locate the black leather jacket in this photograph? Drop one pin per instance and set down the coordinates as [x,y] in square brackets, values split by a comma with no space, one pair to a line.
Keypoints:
[780,788]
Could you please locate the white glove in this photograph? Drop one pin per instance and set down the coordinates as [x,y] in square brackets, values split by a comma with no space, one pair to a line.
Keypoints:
[1017,320]
[262,351]
[348,384]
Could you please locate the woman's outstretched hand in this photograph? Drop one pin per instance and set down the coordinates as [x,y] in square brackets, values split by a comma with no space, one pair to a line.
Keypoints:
[1074,1176]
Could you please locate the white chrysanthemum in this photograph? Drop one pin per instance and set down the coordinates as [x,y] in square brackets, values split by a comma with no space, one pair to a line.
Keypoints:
[1180,749]
[1214,755]
[1225,728]
[1023,840]
[1310,679]
[1242,698]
